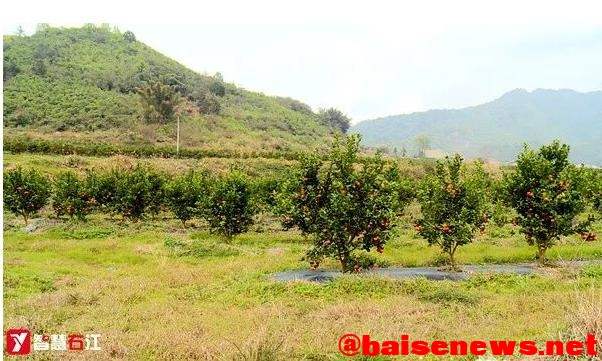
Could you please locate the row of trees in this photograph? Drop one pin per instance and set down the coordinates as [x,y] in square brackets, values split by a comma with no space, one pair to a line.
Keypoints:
[225,203]
[343,204]
[346,206]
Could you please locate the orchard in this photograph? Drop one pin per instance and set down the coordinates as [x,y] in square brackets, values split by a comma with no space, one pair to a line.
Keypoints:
[346,205]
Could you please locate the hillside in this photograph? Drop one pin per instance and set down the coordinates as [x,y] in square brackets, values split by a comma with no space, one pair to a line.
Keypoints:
[497,130]
[83,83]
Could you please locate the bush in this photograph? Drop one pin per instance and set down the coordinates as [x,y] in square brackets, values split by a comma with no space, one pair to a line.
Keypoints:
[103,189]
[230,211]
[71,196]
[156,200]
[184,196]
[25,192]
[208,103]
[454,205]
[137,192]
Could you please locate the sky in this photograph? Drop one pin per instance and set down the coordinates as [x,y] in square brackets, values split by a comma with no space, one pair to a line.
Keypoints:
[369,59]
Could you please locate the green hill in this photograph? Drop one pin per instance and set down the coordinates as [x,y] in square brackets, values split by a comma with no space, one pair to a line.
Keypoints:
[82,84]
[497,130]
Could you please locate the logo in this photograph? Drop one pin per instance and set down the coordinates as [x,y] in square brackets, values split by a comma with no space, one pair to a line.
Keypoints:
[18,341]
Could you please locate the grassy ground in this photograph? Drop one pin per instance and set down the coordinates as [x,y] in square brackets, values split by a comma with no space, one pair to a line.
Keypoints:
[141,284]
[53,164]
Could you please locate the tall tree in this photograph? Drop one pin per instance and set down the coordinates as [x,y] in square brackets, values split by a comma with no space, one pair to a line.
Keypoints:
[423,143]
[159,102]
[335,119]
[20,32]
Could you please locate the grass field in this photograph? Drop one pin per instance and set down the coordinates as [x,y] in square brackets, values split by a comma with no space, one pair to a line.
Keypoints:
[157,291]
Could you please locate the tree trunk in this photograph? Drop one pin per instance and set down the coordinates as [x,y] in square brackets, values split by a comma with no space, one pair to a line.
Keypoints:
[452,258]
[542,256]
[343,258]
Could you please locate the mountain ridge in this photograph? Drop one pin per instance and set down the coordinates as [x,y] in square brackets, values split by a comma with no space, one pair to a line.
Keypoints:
[497,129]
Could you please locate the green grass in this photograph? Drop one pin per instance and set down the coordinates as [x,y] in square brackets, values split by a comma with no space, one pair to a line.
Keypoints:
[137,283]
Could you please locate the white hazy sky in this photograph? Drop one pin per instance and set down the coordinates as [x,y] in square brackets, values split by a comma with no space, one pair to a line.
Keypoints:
[370,59]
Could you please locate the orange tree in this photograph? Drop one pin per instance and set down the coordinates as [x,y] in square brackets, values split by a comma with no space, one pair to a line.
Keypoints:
[299,199]
[185,195]
[345,204]
[454,205]
[25,191]
[71,196]
[230,209]
[547,192]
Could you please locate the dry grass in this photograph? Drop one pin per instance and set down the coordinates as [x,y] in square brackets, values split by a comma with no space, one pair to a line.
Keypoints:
[53,164]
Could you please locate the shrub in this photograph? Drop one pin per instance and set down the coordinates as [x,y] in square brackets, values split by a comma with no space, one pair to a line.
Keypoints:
[184,196]
[103,189]
[208,103]
[25,192]
[453,203]
[136,192]
[230,210]
[548,194]
[71,196]
[156,199]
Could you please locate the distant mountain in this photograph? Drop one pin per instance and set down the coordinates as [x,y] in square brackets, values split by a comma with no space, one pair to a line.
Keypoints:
[498,129]
[82,83]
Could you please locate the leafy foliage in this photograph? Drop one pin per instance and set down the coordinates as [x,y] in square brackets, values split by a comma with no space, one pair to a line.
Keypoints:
[230,210]
[547,192]
[298,201]
[137,192]
[593,188]
[25,144]
[129,37]
[335,119]
[185,196]
[454,205]
[25,192]
[218,88]
[345,207]
[71,196]
[159,102]
[103,189]
[266,191]
[209,103]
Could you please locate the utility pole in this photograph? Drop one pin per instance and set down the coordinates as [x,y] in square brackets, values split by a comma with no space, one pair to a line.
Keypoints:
[178,138]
